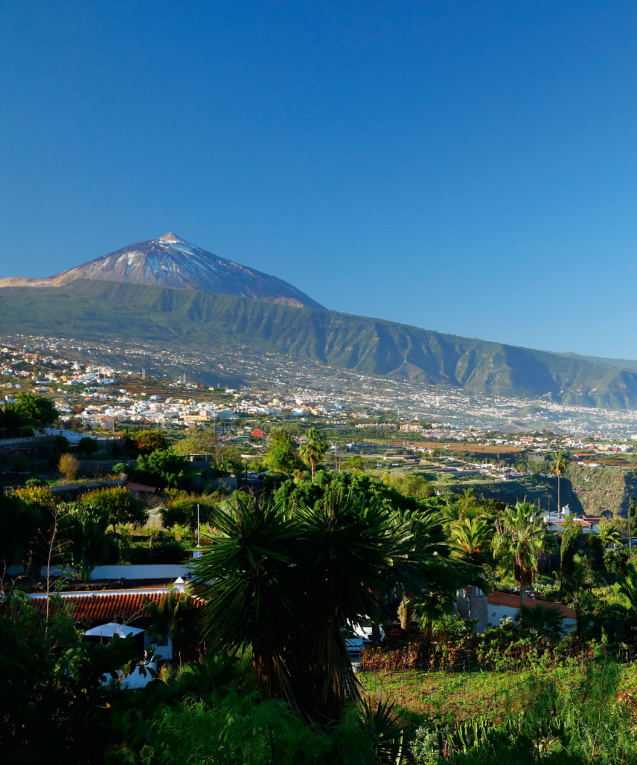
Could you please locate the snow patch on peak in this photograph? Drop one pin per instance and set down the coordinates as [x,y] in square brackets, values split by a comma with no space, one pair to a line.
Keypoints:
[170,237]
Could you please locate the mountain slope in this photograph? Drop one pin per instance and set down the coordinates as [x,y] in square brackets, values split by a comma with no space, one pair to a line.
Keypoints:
[172,262]
[97,310]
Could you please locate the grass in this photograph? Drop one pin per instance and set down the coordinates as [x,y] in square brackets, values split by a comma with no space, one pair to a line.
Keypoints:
[452,697]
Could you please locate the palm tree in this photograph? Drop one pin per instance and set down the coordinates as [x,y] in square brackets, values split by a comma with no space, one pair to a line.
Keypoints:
[609,535]
[471,539]
[520,539]
[312,449]
[355,464]
[167,616]
[419,544]
[559,463]
[627,591]
[543,620]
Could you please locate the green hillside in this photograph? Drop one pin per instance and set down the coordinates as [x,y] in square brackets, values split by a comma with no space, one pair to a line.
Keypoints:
[95,310]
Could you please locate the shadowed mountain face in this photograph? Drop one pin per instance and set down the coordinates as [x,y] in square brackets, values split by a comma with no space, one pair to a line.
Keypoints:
[93,309]
[172,262]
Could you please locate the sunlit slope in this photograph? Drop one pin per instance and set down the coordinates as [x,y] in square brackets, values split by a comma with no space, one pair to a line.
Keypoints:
[102,310]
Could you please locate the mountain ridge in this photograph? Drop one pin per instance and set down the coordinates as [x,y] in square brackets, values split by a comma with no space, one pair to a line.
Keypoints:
[102,309]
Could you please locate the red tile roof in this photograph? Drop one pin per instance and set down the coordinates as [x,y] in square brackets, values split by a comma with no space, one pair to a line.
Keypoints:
[120,607]
[513,601]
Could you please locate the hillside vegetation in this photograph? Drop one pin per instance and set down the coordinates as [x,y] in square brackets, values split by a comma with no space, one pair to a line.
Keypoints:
[98,310]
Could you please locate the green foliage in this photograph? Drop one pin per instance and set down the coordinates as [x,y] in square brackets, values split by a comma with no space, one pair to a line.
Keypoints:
[313,449]
[471,539]
[19,524]
[164,466]
[234,726]
[147,441]
[88,446]
[37,412]
[155,314]
[568,546]
[412,485]
[183,511]
[199,441]
[616,562]
[83,529]
[52,706]
[287,585]
[282,454]
[542,621]
[118,505]
[521,538]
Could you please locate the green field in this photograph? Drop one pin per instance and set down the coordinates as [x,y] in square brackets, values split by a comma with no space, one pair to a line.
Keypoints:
[453,697]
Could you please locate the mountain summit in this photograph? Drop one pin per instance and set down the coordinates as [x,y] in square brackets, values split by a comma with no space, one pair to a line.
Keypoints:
[172,262]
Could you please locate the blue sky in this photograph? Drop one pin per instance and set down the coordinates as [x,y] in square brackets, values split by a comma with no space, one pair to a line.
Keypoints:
[469,167]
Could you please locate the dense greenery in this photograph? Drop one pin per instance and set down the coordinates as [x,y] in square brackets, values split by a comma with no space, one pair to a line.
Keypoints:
[28,412]
[286,575]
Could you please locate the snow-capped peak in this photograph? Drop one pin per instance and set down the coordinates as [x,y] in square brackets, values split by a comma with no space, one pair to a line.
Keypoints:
[171,261]
[171,238]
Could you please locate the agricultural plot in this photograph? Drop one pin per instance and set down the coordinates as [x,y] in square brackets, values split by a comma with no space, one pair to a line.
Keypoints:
[452,697]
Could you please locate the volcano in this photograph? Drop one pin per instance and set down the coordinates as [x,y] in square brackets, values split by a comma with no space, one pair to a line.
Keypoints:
[172,262]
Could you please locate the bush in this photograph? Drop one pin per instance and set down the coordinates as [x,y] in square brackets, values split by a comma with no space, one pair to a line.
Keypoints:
[165,551]
[119,504]
[122,467]
[184,513]
[88,446]
[148,441]
[68,466]
[164,466]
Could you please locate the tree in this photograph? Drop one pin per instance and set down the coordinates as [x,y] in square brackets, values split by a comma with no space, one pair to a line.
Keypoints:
[167,616]
[36,412]
[520,539]
[147,441]
[88,446]
[288,584]
[199,441]
[559,463]
[355,463]
[184,512]
[544,621]
[631,516]
[471,539]
[83,528]
[68,466]
[313,449]
[19,522]
[419,548]
[118,504]
[11,421]
[609,534]
[282,454]
[568,547]
[165,465]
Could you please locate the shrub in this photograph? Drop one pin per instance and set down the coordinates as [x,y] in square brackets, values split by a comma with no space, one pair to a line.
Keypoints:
[119,504]
[164,465]
[88,446]
[148,441]
[184,512]
[68,466]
